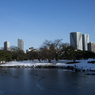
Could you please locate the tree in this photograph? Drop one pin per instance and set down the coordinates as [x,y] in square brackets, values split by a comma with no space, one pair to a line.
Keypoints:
[70,53]
[79,54]
[49,50]
[47,53]
[31,55]
[63,48]
[41,54]
[18,54]
[21,55]
[4,56]
[52,50]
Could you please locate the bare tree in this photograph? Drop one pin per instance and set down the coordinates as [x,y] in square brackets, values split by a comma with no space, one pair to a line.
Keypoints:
[53,49]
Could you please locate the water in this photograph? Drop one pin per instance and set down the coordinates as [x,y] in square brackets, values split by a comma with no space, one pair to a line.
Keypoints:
[34,81]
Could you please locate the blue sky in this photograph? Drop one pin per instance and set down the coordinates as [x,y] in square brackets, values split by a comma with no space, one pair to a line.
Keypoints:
[35,21]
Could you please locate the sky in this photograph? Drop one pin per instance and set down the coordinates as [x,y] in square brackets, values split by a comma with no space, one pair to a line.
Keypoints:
[35,21]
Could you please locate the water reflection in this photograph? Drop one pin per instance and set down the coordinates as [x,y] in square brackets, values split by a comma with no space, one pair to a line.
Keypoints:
[27,81]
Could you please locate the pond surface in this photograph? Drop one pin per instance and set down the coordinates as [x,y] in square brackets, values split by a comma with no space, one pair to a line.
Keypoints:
[34,81]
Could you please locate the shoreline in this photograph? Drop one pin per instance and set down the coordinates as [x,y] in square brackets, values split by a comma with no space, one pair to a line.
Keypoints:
[72,68]
[79,66]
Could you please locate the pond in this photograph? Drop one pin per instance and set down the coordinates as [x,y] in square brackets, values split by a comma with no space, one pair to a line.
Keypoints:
[44,81]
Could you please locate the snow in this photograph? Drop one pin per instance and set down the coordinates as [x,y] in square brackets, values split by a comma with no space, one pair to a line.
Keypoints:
[81,65]
[61,63]
[26,63]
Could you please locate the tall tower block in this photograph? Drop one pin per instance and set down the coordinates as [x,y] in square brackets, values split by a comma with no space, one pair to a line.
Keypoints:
[85,39]
[20,44]
[7,45]
[76,40]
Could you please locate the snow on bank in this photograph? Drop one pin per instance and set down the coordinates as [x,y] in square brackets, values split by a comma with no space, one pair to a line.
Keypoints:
[26,63]
[82,65]
[61,63]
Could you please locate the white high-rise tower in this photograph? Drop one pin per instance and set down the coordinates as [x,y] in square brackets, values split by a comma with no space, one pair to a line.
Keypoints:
[76,40]
[20,44]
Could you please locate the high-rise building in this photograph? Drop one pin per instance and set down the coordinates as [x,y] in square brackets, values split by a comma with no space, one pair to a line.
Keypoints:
[20,44]
[6,45]
[31,49]
[91,47]
[76,40]
[85,40]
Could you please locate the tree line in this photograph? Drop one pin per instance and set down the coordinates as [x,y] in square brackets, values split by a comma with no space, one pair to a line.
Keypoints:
[50,50]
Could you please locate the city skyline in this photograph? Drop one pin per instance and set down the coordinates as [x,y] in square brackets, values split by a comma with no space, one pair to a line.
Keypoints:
[35,21]
[78,40]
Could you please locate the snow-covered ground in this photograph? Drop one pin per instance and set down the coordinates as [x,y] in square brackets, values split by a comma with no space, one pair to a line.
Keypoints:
[83,65]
